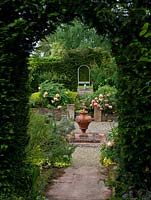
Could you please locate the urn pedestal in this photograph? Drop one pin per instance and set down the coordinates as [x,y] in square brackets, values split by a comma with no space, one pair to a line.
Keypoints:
[83,120]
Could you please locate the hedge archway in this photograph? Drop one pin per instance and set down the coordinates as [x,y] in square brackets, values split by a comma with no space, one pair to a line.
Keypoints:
[127,22]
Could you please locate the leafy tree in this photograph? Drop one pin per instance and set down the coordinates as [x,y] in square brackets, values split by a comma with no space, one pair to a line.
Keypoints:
[75,37]
[71,36]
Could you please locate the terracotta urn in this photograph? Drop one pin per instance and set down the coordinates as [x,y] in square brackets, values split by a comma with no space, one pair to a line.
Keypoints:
[83,120]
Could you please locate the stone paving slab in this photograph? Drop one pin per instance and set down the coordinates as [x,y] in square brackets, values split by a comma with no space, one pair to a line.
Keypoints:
[84,179]
[80,183]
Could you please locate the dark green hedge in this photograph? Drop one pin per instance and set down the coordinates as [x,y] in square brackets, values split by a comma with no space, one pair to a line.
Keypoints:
[135,114]
[22,23]
[67,66]
[130,31]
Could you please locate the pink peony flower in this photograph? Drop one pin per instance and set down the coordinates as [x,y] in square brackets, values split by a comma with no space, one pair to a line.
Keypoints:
[96,99]
[110,143]
[55,99]
[101,96]
[106,100]
[95,104]
[57,95]
[59,107]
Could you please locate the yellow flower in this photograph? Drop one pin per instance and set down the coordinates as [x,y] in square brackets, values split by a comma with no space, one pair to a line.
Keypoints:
[107,161]
[100,96]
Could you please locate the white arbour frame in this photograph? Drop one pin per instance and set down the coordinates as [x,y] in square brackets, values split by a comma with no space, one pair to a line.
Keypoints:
[83,82]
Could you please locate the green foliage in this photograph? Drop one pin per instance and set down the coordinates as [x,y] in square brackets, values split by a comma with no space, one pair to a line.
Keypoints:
[135,115]
[53,95]
[106,89]
[73,96]
[110,150]
[47,145]
[39,140]
[104,97]
[64,70]
[71,36]
[47,148]
[104,74]
[35,100]
[128,22]
[25,23]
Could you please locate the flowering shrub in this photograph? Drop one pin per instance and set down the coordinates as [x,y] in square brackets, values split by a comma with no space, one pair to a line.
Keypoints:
[110,150]
[104,98]
[103,102]
[53,94]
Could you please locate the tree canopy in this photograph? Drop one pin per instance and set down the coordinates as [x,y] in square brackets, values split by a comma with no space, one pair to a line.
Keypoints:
[71,36]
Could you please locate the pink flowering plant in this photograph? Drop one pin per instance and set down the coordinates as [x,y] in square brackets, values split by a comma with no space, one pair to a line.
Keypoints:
[104,99]
[103,102]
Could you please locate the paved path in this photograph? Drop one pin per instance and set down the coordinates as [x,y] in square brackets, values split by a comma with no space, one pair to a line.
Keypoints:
[97,127]
[83,180]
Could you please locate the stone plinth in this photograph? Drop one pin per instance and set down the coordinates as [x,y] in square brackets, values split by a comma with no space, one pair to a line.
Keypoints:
[97,114]
[71,111]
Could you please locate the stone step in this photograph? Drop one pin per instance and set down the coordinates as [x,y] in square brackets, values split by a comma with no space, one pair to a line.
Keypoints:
[87,138]
[84,91]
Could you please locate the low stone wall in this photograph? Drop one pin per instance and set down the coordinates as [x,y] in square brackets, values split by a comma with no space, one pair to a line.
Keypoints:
[55,113]
[109,117]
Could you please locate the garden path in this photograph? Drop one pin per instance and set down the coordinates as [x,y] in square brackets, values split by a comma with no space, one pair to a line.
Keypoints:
[84,179]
